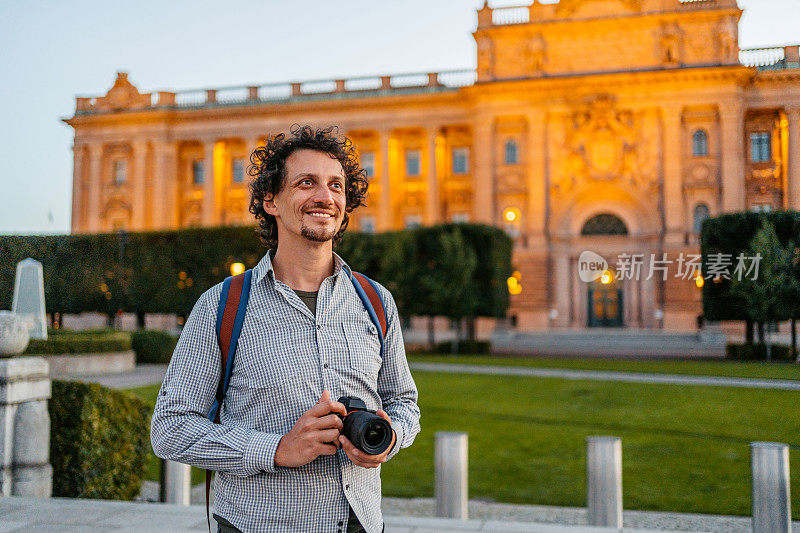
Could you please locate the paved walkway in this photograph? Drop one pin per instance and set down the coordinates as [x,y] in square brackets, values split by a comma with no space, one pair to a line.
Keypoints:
[633,377]
[23,515]
[154,374]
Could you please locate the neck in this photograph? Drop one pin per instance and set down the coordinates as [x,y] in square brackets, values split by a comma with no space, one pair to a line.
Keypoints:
[304,267]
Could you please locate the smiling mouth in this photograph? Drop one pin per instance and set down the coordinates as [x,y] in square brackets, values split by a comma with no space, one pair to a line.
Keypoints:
[320,215]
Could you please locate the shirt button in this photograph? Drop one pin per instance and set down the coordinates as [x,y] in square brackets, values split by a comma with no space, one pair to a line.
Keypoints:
[325,365]
[347,487]
[319,326]
[341,523]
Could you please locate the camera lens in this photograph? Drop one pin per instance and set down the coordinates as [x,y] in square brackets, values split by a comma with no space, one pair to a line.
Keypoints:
[374,434]
[368,432]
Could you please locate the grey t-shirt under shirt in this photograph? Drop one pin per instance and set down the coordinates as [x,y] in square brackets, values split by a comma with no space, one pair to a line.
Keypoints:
[309,298]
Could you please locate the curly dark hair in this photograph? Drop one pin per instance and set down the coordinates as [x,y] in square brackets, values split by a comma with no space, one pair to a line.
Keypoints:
[268,169]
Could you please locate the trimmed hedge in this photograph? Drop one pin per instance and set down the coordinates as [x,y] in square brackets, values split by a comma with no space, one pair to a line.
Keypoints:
[81,342]
[731,234]
[153,346]
[98,442]
[758,352]
[464,347]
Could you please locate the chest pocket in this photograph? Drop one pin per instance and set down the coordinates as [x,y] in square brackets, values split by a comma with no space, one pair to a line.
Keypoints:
[363,345]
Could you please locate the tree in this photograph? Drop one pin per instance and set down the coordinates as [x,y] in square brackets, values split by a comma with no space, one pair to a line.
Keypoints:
[767,292]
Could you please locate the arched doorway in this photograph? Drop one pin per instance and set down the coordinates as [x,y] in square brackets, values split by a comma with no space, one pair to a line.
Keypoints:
[604,295]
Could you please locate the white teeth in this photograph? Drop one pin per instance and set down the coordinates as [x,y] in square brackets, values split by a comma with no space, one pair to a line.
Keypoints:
[320,215]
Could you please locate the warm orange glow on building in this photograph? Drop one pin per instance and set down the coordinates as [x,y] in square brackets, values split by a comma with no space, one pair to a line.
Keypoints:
[614,126]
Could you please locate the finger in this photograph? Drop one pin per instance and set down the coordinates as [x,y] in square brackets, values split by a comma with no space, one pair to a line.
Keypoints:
[326,407]
[326,396]
[327,449]
[327,435]
[328,422]
[357,456]
[381,413]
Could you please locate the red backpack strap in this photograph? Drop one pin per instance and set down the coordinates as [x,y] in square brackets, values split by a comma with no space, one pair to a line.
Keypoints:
[230,317]
[368,293]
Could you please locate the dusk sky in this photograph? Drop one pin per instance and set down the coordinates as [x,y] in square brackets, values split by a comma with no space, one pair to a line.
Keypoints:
[51,52]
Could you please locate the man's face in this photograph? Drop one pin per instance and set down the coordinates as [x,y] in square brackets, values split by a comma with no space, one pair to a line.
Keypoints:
[312,201]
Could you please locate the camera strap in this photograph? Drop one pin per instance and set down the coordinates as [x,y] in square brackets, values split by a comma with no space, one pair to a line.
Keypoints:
[230,317]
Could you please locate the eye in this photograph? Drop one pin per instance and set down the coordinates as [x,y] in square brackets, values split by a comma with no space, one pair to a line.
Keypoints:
[337,184]
[306,181]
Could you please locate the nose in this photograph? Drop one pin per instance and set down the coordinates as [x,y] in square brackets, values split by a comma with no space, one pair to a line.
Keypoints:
[323,195]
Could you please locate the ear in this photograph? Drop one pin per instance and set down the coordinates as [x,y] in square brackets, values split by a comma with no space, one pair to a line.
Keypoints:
[269,205]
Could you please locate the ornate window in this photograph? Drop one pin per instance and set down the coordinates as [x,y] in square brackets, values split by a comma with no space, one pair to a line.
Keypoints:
[760,147]
[510,156]
[412,162]
[699,143]
[701,212]
[367,224]
[198,172]
[412,221]
[238,170]
[460,160]
[120,172]
[604,224]
[368,163]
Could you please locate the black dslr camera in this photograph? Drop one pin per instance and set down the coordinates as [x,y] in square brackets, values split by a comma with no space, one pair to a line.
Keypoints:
[367,431]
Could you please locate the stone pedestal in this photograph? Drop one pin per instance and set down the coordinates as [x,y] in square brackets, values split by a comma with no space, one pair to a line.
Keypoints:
[25,428]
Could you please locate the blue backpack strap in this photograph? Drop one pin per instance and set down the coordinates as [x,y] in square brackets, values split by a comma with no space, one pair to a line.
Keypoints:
[367,290]
[230,317]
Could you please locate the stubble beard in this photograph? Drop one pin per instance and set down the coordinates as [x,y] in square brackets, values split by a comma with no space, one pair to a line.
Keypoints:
[320,235]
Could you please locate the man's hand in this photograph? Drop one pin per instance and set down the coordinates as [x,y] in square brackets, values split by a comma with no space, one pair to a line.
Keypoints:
[360,458]
[315,433]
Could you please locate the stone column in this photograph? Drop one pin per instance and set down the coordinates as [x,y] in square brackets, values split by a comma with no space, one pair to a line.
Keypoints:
[673,150]
[483,202]
[165,186]
[92,220]
[732,158]
[25,428]
[562,289]
[793,159]
[385,214]
[209,212]
[139,176]
[535,161]
[78,187]
[432,211]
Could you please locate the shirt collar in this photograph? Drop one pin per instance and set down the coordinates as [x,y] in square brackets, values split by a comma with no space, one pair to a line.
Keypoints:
[264,268]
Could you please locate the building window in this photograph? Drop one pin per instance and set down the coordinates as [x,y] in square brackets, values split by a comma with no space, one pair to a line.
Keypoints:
[604,224]
[120,171]
[701,212]
[460,160]
[198,172]
[412,162]
[511,157]
[367,224]
[238,170]
[699,143]
[368,163]
[761,208]
[760,147]
[412,221]
[460,218]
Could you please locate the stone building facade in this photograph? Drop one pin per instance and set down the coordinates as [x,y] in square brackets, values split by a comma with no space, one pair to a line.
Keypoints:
[614,126]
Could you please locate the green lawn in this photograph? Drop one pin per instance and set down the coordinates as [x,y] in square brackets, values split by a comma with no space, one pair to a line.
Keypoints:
[684,448]
[743,369]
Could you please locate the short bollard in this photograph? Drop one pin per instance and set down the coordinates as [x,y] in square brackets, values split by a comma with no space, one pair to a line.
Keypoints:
[451,475]
[771,505]
[179,483]
[604,481]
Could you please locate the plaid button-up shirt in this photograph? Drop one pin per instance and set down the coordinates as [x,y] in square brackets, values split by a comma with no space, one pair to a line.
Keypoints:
[285,358]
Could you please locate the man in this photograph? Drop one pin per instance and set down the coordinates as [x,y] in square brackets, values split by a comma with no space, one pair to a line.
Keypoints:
[307,339]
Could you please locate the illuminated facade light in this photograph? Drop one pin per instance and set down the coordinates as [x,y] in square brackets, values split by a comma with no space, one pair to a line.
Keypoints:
[237,268]
[607,277]
[511,215]
[698,280]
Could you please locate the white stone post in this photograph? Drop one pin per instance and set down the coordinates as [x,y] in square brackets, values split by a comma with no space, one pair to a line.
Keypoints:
[179,483]
[25,428]
[451,475]
[604,481]
[771,504]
